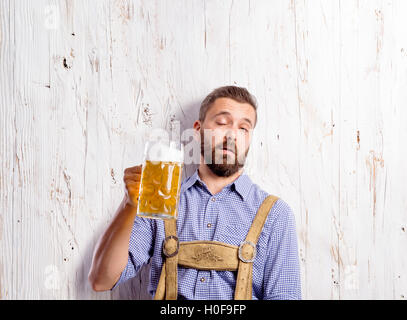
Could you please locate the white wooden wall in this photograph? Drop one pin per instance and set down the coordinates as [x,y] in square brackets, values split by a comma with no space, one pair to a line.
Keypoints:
[83,82]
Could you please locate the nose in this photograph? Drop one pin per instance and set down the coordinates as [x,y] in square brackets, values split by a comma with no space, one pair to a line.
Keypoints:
[230,139]
[230,134]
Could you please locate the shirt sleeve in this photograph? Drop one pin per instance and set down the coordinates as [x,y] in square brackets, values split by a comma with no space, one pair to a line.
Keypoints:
[140,248]
[282,280]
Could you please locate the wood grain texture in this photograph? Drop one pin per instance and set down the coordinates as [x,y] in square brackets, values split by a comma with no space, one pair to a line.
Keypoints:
[82,83]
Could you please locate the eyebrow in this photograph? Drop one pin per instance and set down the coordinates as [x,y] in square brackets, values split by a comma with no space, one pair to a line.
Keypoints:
[228,114]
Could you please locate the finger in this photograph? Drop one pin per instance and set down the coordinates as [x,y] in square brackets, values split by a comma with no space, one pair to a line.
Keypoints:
[135,169]
[132,176]
[133,185]
[131,173]
[133,191]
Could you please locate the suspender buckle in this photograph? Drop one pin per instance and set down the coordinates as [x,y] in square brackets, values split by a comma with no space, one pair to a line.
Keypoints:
[245,255]
[168,246]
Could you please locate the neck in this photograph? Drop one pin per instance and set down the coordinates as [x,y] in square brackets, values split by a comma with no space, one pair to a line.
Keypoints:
[215,183]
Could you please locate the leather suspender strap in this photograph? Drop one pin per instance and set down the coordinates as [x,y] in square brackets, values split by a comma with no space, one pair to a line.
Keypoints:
[170,250]
[167,287]
[160,292]
[247,251]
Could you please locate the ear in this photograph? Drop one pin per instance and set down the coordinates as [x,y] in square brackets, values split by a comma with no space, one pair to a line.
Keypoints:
[197,128]
[197,125]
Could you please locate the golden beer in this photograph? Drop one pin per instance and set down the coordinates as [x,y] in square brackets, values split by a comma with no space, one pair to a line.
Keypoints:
[159,189]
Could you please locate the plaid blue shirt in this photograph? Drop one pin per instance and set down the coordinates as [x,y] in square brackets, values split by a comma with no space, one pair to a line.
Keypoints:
[226,217]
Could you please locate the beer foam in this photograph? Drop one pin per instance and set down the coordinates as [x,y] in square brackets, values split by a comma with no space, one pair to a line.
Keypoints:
[160,151]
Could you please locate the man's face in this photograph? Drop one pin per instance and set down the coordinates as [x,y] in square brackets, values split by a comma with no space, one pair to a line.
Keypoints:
[228,125]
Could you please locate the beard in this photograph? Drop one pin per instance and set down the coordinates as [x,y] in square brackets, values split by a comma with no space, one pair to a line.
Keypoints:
[219,163]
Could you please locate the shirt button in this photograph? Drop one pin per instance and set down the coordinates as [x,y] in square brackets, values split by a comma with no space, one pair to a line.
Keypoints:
[213,199]
[209,225]
[202,279]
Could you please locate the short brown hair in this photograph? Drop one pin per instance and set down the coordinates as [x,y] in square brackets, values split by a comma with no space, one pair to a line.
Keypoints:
[238,94]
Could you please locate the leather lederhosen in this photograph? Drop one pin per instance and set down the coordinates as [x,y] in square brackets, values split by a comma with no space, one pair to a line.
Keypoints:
[211,255]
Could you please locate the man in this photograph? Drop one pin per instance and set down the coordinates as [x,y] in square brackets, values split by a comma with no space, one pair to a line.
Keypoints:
[217,203]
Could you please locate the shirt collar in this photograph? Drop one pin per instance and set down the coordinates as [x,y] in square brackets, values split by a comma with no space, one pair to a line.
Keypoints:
[242,184]
[188,182]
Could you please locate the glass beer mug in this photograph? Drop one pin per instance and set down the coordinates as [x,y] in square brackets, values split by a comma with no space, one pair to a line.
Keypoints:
[160,180]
